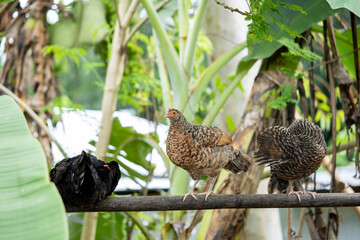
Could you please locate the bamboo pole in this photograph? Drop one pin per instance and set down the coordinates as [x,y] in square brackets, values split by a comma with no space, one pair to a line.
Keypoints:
[114,74]
[224,201]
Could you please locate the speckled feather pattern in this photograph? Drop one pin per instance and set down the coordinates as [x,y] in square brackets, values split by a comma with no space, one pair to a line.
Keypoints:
[202,150]
[293,153]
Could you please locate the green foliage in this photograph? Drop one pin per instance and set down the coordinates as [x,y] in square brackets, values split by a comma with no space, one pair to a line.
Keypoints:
[260,28]
[345,46]
[111,225]
[281,96]
[139,91]
[219,84]
[126,143]
[30,206]
[62,53]
[79,72]
[323,114]
[296,51]
[230,123]
[62,104]
[139,88]
[294,20]
[203,49]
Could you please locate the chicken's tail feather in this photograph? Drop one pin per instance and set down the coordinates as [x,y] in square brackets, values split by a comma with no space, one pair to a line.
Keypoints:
[239,163]
[277,185]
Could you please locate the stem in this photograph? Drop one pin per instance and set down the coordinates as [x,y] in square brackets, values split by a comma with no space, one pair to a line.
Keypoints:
[164,80]
[176,72]
[142,22]
[204,79]
[288,220]
[232,9]
[220,101]
[190,46]
[326,162]
[151,143]
[79,22]
[138,223]
[125,22]
[341,147]
[183,26]
[301,220]
[329,71]
[114,74]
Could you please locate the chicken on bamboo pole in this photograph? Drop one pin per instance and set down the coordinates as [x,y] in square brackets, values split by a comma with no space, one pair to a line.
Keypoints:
[202,150]
[292,153]
[84,180]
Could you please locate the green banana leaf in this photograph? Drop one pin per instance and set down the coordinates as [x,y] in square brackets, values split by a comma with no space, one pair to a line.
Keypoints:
[30,206]
[351,5]
[345,46]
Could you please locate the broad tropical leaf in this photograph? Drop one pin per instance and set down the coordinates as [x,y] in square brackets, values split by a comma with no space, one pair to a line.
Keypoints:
[345,46]
[351,5]
[30,206]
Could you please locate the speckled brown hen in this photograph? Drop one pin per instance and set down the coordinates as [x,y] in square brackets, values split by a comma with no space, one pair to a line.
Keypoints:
[292,153]
[201,150]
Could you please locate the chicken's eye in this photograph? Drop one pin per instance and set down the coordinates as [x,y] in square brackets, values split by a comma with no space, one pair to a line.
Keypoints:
[173,113]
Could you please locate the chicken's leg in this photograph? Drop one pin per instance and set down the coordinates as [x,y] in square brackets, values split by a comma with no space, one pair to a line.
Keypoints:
[210,191]
[302,190]
[297,193]
[191,192]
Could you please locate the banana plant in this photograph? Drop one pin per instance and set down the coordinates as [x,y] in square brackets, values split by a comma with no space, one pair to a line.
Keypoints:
[30,206]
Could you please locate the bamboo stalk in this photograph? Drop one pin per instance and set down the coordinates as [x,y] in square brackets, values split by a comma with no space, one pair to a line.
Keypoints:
[221,201]
[114,73]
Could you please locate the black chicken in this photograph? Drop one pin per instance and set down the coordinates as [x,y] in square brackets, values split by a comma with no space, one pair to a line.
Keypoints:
[84,180]
[292,153]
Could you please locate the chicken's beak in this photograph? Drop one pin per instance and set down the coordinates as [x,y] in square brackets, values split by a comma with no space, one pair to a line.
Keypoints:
[167,114]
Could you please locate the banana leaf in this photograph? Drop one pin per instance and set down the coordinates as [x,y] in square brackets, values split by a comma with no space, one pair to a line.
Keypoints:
[30,206]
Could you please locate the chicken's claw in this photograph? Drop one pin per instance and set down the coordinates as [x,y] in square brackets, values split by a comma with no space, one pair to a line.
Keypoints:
[297,193]
[190,193]
[208,193]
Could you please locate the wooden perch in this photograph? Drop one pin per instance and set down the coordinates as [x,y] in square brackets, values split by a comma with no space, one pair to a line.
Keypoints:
[169,203]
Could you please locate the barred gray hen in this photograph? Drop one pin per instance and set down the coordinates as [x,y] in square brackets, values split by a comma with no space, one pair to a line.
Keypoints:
[201,150]
[84,180]
[292,153]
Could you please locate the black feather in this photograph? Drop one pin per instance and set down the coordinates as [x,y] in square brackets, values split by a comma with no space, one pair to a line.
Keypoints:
[84,180]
